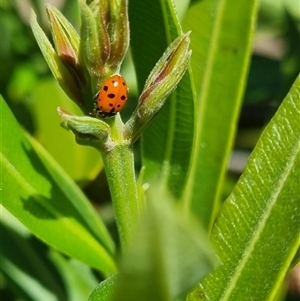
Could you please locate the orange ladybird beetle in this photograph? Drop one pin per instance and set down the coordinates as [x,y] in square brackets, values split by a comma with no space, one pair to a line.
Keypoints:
[112,96]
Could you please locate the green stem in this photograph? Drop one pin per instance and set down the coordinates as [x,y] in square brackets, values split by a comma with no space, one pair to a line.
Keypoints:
[119,167]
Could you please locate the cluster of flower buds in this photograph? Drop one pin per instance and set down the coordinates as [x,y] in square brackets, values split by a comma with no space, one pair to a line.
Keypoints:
[82,63]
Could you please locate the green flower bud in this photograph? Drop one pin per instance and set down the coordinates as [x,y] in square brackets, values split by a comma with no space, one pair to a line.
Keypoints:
[118,32]
[66,39]
[102,20]
[105,37]
[167,72]
[87,130]
[65,77]
[162,80]
[90,48]
[82,64]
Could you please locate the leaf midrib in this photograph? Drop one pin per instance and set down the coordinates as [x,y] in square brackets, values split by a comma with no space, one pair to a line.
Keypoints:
[201,99]
[261,225]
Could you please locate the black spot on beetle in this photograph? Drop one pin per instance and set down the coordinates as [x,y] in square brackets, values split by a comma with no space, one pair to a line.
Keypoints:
[111,95]
[123,97]
[105,88]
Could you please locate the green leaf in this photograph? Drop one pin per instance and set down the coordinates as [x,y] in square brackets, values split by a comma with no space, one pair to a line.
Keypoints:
[256,235]
[25,263]
[104,291]
[28,287]
[79,278]
[221,50]
[167,142]
[167,256]
[38,192]
[81,163]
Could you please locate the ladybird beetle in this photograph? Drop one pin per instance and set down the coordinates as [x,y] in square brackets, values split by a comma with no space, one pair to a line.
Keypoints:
[112,96]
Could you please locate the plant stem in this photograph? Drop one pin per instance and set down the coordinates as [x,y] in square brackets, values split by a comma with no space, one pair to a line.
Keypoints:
[119,167]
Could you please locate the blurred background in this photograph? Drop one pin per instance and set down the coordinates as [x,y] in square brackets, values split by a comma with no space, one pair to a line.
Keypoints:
[28,87]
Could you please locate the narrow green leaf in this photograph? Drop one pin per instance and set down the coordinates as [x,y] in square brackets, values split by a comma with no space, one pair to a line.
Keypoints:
[44,199]
[25,263]
[167,142]
[79,278]
[166,257]
[221,50]
[28,287]
[256,235]
[148,39]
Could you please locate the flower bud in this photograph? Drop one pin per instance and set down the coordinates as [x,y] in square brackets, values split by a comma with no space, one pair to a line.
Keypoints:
[118,32]
[66,78]
[105,37]
[90,48]
[88,131]
[162,80]
[82,64]
[66,39]
[101,10]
